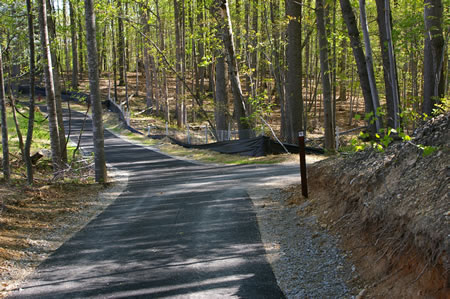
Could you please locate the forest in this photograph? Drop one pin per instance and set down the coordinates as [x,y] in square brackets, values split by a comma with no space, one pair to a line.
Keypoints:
[290,65]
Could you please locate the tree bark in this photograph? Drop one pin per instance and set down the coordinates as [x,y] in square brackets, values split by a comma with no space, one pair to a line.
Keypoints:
[329,126]
[294,101]
[57,82]
[358,53]
[5,143]
[369,64]
[121,44]
[220,96]
[49,88]
[29,137]
[389,65]
[73,33]
[178,63]
[221,11]
[434,86]
[148,75]
[80,48]
[94,88]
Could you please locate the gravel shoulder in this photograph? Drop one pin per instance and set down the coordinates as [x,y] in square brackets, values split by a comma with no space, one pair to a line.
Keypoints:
[304,255]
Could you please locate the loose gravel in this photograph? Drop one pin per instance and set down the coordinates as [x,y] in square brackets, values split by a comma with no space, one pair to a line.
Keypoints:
[304,256]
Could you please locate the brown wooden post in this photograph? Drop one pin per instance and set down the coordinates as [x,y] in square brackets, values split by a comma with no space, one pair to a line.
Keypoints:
[301,146]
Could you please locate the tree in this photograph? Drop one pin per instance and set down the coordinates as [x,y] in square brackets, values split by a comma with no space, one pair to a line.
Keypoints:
[389,65]
[57,83]
[369,65]
[326,80]
[220,94]
[73,33]
[355,42]
[221,12]
[433,79]
[5,145]
[94,87]
[121,44]
[294,101]
[49,88]
[29,138]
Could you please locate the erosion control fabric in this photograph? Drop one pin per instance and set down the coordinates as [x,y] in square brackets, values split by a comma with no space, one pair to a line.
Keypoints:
[254,147]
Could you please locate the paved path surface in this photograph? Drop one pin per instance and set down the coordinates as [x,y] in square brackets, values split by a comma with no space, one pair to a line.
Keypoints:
[179,230]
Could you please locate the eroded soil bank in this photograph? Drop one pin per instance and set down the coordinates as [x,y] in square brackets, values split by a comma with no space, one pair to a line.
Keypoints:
[391,210]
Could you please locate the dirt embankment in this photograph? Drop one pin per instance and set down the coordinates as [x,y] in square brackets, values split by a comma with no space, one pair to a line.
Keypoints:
[392,209]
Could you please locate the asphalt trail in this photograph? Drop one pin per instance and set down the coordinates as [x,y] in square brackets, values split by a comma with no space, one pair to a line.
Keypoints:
[179,230]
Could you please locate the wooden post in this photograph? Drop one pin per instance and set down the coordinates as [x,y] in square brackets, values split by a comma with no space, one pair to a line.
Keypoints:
[301,146]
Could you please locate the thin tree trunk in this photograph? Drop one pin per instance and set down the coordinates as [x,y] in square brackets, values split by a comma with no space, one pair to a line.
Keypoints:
[358,53]
[49,88]
[114,58]
[389,66]
[369,64]
[73,32]
[148,79]
[57,83]
[66,45]
[221,11]
[94,88]
[5,144]
[29,138]
[80,47]
[121,44]
[178,63]
[329,143]
[16,123]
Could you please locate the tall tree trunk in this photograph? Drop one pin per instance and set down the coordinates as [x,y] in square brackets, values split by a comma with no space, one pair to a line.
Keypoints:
[94,88]
[294,71]
[66,45]
[114,58]
[148,75]
[389,65]
[326,80]
[29,138]
[178,63]
[80,47]
[201,51]
[121,44]
[5,144]
[369,64]
[73,33]
[358,53]
[162,46]
[434,80]
[222,12]
[220,96]
[57,82]
[49,88]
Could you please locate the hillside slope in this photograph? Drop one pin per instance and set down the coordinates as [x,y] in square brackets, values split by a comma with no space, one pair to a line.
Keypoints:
[392,209]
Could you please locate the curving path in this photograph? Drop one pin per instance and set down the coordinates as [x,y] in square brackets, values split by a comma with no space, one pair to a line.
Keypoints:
[179,230]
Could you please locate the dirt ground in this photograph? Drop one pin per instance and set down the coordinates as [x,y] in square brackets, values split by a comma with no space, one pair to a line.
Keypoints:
[391,210]
[36,220]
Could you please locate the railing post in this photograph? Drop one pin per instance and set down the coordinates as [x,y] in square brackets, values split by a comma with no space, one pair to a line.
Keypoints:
[206,134]
[148,131]
[167,129]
